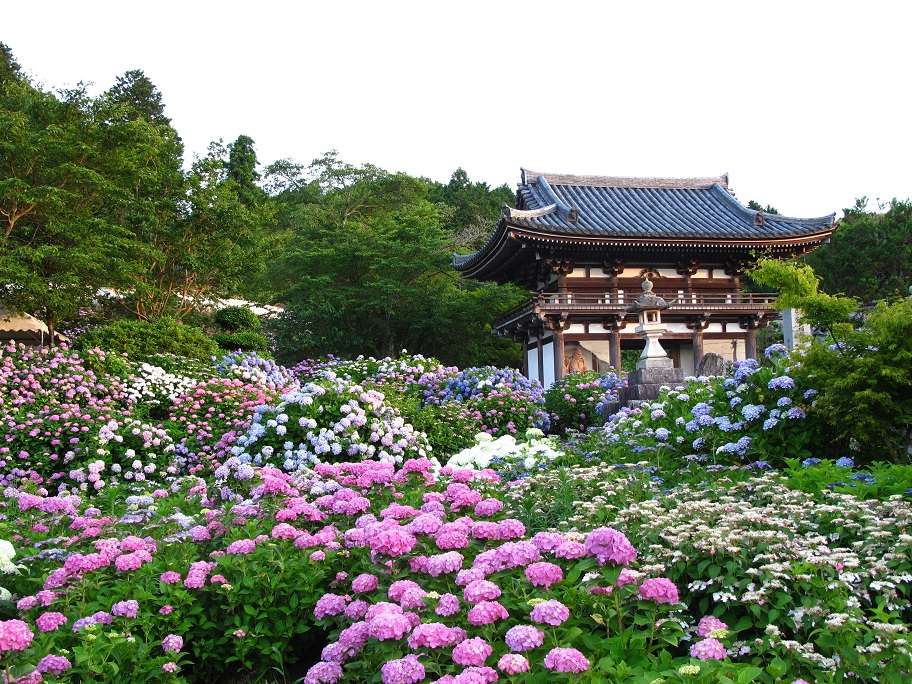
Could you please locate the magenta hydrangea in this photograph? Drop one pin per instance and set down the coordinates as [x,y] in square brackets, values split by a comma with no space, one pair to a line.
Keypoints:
[405,670]
[55,665]
[329,604]
[15,635]
[544,574]
[481,590]
[448,605]
[513,664]
[708,624]
[127,609]
[472,652]
[524,637]
[660,590]
[550,612]
[48,622]
[172,643]
[487,613]
[708,649]
[364,583]
[324,673]
[607,544]
[566,660]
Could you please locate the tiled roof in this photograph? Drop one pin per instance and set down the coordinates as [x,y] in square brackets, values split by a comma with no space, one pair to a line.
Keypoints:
[649,208]
[640,209]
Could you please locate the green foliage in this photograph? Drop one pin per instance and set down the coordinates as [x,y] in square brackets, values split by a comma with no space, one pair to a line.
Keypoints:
[875,481]
[473,208]
[234,319]
[368,272]
[575,403]
[242,341]
[63,186]
[865,382]
[139,339]
[242,169]
[870,256]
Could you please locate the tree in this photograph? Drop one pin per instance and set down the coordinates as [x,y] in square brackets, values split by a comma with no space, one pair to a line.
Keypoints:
[474,208]
[135,96]
[367,272]
[58,193]
[864,369]
[870,255]
[768,209]
[204,249]
[242,169]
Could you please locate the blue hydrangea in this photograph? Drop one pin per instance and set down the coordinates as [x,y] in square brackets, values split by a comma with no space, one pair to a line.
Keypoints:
[774,351]
[845,462]
[752,411]
[700,409]
[662,434]
[784,401]
[808,462]
[770,423]
[783,382]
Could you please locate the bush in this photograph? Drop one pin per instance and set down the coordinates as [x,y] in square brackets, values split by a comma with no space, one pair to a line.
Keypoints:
[242,341]
[236,319]
[576,402]
[139,339]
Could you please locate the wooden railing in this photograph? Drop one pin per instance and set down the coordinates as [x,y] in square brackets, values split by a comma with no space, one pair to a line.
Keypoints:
[617,302]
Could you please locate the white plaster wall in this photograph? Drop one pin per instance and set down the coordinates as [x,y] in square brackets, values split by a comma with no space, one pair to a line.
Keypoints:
[532,363]
[548,354]
[687,359]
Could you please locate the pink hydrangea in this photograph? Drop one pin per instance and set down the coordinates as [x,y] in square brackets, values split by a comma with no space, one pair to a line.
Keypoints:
[511,529]
[607,544]
[432,635]
[708,649]
[550,612]
[48,622]
[329,604]
[388,625]
[626,577]
[524,638]
[566,660]
[166,610]
[512,664]
[708,624]
[172,643]
[447,605]
[356,610]
[394,541]
[324,673]
[660,590]
[472,652]
[405,670]
[544,574]
[481,590]
[571,550]
[413,599]
[170,577]
[15,635]
[241,546]
[487,613]
[127,609]
[477,675]
[55,665]
[398,588]
[488,507]
[444,563]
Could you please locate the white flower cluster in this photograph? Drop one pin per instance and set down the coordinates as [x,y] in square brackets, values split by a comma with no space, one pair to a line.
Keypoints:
[505,454]
[154,384]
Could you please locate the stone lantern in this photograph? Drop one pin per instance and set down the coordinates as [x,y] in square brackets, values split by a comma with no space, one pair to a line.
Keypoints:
[649,308]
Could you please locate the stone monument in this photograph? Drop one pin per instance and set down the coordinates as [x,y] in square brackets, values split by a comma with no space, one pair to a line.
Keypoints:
[654,370]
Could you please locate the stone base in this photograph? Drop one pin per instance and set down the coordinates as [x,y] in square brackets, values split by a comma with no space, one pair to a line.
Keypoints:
[644,384]
[655,362]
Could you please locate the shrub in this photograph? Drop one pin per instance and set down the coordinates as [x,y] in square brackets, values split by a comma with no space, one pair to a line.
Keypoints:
[139,339]
[236,319]
[242,341]
[575,403]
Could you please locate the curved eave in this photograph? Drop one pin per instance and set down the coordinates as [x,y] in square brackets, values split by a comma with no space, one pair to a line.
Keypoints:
[506,249]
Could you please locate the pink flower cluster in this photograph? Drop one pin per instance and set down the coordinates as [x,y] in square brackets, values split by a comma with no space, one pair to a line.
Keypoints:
[566,660]
[550,612]
[708,649]
[607,544]
[708,624]
[660,590]
[15,635]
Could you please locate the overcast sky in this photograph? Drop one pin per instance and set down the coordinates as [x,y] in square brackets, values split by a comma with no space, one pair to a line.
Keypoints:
[804,104]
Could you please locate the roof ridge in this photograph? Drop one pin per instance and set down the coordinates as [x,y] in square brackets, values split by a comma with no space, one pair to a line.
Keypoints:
[626,181]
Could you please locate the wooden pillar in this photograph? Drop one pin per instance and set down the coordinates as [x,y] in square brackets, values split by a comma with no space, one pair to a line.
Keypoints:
[750,325]
[750,343]
[614,324]
[558,324]
[541,359]
[697,324]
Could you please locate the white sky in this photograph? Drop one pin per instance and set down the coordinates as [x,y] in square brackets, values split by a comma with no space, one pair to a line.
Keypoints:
[804,104]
